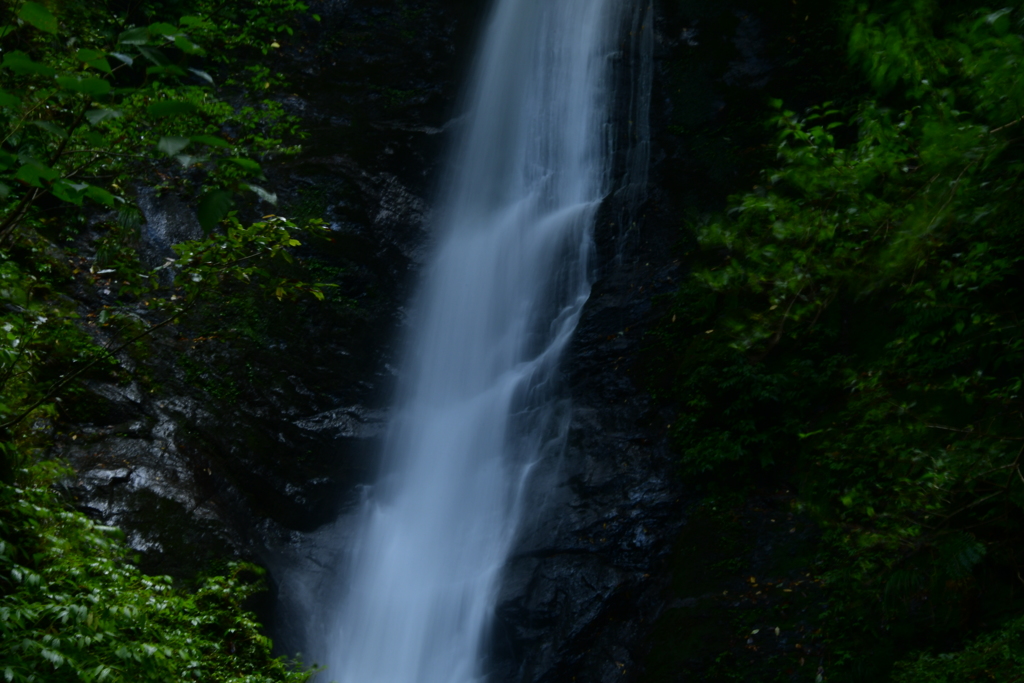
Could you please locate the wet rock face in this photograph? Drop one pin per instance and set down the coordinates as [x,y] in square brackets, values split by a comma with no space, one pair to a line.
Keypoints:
[587,578]
[593,570]
[168,221]
[251,446]
[266,418]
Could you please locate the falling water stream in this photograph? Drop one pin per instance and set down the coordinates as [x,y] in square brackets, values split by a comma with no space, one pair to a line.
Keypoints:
[499,301]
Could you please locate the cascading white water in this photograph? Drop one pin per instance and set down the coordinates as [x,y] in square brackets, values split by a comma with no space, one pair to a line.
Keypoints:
[499,302]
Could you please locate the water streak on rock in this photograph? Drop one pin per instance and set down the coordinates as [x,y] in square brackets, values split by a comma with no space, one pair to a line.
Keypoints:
[500,299]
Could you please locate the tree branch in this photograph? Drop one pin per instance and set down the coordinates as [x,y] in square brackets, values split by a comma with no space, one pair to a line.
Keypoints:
[108,353]
[7,227]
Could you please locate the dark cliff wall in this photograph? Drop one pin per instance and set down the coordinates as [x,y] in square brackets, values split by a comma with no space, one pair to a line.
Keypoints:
[249,445]
[621,560]
[271,421]
[252,444]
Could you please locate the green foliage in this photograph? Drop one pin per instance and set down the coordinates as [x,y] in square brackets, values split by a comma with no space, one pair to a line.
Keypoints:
[716,118]
[74,608]
[94,104]
[83,116]
[42,331]
[855,319]
[88,116]
[997,656]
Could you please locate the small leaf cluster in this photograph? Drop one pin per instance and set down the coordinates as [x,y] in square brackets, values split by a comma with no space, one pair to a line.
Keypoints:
[41,331]
[41,334]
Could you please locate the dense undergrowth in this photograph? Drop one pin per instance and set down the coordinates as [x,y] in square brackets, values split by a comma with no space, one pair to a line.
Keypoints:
[853,328]
[98,101]
[74,607]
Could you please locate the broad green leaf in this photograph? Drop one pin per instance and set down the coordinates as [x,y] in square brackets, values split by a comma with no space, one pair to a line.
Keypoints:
[9,100]
[1000,19]
[187,46]
[171,69]
[245,164]
[5,190]
[190,21]
[7,160]
[172,145]
[52,128]
[21,64]
[72,193]
[154,55]
[210,140]
[269,197]
[38,16]
[95,59]
[171,108]
[123,57]
[94,116]
[35,174]
[100,195]
[213,206]
[94,87]
[162,29]
[95,139]
[134,36]
[7,29]
[203,75]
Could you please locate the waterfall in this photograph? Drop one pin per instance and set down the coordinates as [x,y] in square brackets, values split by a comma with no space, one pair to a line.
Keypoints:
[478,405]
